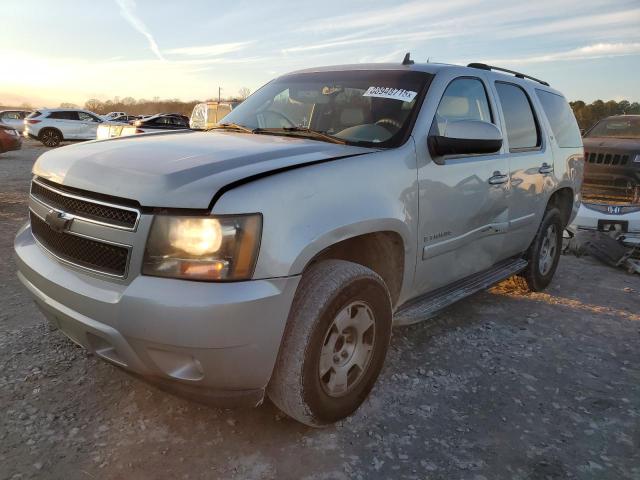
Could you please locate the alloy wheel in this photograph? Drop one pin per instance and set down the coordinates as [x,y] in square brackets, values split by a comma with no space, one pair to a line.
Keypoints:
[347,349]
[548,250]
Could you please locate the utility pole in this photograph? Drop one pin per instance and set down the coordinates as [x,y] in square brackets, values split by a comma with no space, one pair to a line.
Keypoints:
[219,90]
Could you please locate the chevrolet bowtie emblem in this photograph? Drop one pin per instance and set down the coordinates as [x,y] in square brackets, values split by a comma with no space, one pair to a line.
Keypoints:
[59,221]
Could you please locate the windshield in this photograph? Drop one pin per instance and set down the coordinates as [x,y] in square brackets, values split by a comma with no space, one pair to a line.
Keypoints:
[621,127]
[370,107]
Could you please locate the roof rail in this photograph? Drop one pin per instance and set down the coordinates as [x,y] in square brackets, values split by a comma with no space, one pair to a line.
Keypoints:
[483,66]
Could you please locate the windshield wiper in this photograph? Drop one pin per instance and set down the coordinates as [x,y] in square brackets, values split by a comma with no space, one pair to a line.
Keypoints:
[231,126]
[301,132]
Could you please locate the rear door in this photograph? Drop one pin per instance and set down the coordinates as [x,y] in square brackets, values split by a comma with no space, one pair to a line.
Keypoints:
[67,122]
[530,162]
[462,199]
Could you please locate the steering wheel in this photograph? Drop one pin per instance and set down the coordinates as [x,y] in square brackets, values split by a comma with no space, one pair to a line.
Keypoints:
[281,115]
[383,122]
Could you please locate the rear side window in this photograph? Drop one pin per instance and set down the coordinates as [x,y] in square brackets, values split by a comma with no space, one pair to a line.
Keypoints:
[10,116]
[64,115]
[563,123]
[464,99]
[34,114]
[522,129]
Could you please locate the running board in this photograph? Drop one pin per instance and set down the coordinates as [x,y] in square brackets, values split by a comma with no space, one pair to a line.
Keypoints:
[428,306]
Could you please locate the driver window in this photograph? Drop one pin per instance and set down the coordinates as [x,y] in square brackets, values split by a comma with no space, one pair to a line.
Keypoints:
[464,99]
[85,117]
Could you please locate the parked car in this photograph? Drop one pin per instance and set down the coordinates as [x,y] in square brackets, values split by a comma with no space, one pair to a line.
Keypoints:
[162,121]
[14,119]
[113,115]
[53,126]
[611,188]
[125,119]
[10,139]
[205,115]
[273,253]
[153,123]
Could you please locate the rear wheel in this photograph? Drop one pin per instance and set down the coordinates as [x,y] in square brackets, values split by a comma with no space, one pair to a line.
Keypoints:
[544,253]
[50,137]
[335,343]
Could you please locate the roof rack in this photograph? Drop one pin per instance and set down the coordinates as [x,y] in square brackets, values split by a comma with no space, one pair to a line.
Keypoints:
[483,66]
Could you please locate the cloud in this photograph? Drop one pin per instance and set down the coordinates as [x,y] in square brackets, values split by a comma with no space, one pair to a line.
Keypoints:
[127,10]
[424,35]
[399,14]
[585,23]
[208,50]
[598,50]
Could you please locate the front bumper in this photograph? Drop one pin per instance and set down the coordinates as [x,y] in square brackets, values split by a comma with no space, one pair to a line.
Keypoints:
[214,340]
[15,143]
[590,219]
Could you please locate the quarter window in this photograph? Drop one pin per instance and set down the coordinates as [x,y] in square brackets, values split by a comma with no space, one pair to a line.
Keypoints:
[563,123]
[464,99]
[522,128]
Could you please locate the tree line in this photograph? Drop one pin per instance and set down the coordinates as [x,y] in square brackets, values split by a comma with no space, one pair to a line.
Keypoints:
[588,114]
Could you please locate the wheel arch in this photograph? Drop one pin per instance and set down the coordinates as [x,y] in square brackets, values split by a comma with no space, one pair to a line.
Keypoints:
[562,199]
[382,250]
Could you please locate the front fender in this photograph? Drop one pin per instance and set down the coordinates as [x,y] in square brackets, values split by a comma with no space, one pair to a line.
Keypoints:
[311,208]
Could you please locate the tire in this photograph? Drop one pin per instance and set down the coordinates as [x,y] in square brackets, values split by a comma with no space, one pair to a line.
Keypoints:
[50,137]
[328,292]
[542,261]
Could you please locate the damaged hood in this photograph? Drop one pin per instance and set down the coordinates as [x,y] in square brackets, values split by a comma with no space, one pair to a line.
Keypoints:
[182,169]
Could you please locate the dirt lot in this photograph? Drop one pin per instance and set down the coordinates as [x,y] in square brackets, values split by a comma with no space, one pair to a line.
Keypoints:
[502,385]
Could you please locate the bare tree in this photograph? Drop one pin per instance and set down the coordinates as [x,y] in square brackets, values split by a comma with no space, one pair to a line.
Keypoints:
[93,105]
[68,105]
[244,93]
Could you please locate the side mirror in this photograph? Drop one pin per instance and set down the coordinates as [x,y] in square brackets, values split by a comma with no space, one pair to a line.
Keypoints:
[465,137]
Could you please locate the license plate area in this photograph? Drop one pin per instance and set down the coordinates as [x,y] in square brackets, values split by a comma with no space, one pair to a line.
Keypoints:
[613,225]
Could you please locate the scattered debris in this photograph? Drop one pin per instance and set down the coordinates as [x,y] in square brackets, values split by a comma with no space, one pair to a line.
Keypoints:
[607,247]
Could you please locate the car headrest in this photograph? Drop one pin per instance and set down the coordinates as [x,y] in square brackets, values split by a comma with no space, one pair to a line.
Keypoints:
[454,107]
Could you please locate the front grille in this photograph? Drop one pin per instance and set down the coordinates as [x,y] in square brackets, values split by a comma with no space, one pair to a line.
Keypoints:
[92,254]
[606,158]
[88,209]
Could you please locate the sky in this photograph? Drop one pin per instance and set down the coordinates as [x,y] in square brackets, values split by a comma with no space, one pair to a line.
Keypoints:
[70,51]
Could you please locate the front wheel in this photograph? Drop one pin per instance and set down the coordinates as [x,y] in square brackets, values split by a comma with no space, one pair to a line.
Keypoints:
[334,345]
[544,253]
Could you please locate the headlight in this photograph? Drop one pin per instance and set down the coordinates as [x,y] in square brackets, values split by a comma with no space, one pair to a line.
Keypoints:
[203,248]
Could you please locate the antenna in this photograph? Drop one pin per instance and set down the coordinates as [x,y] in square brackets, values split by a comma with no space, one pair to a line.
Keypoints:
[407,60]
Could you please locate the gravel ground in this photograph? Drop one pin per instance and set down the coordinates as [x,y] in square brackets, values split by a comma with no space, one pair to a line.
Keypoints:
[501,385]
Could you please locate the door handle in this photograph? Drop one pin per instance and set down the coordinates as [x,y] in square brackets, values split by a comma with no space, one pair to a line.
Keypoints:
[545,169]
[498,178]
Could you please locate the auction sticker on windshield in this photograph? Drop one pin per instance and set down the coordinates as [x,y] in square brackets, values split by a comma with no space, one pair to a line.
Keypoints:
[388,92]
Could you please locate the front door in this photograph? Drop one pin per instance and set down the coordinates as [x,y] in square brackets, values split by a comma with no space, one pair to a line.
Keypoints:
[462,199]
[89,126]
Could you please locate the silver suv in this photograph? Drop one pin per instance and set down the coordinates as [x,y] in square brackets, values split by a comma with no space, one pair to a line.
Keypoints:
[273,253]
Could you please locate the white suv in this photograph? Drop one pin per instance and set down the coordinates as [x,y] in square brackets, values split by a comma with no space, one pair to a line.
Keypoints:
[53,126]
